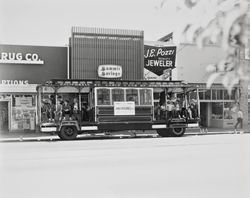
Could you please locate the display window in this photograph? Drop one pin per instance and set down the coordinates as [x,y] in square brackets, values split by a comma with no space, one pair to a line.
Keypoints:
[192,95]
[23,112]
[217,110]
[208,94]
[229,110]
[201,94]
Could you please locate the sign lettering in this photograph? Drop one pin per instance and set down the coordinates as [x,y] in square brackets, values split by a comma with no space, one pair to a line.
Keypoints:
[110,71]
[19,58]
[14,82]
[158,62]
[124,108]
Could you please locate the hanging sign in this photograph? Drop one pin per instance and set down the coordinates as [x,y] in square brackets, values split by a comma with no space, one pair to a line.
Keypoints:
[110,71]
[158,62]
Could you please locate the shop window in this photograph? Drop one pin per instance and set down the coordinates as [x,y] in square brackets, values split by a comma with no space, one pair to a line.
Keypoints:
[217,110]
[192,95]
[117,95]
[219,94]
[208,95]
[24,100]
[145,97]
[233,95]
[23,112]
[214,94]
[229,110]
[132,95]
[103,97]
[226,95]
[201,94]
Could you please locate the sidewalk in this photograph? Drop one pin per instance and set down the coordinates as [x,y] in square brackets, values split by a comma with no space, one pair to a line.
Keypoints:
[38,136]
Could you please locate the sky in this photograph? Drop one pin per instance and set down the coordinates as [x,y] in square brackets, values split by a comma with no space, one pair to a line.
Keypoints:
[49,22]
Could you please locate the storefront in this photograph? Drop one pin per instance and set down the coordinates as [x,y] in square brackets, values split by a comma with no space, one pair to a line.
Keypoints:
[22,69]
[18,107]
[218,109]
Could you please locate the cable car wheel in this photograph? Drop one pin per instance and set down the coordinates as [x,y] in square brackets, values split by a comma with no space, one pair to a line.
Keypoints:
[171,132]
[68,133]
[178,132]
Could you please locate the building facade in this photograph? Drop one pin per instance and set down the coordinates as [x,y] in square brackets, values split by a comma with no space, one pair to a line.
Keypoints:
[217,107]
[91,48]
[22,68]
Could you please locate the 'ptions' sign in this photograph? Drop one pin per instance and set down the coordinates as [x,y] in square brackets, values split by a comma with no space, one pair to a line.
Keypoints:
[158,61]
[19,58]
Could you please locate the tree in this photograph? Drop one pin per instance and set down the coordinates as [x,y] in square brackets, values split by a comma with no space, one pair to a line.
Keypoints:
[224,22]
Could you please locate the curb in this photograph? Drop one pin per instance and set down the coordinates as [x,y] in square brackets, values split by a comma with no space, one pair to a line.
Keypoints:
[152,135]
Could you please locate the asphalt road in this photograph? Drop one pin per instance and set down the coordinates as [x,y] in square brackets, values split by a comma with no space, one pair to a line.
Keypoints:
[212,166]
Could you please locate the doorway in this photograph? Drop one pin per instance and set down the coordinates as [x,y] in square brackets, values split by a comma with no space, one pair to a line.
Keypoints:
[204,114]
[4,116]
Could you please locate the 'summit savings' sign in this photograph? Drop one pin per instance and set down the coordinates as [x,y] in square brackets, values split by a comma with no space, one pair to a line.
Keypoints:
[158,62]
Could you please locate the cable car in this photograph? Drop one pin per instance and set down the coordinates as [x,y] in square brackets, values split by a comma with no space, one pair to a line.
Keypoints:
[72,107]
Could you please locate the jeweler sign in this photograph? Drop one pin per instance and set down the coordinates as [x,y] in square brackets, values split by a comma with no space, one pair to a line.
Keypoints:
[20,58]
[158,62]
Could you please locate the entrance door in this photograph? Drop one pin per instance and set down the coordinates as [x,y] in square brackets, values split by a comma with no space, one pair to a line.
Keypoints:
[203,114]
[4,118]
[85,106]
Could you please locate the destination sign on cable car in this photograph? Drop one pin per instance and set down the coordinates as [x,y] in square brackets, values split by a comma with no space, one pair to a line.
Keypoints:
[116,83]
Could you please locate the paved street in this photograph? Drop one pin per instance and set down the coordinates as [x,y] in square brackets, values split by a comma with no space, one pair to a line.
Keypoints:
[208,166]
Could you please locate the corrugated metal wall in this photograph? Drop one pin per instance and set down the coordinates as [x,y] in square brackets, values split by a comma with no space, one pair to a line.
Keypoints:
[91,47]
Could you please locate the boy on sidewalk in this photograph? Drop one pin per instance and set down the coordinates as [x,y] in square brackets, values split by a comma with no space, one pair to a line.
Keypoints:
[239,121]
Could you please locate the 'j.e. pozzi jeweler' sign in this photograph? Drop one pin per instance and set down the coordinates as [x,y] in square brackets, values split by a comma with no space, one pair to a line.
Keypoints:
[158,61]
[20,58]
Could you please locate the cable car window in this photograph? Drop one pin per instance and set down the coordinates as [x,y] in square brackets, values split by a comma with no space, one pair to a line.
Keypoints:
[117,95]
[145,97]
[132,95]
[103,97]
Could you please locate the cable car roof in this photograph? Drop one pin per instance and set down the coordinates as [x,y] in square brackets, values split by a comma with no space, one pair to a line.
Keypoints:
[115,83]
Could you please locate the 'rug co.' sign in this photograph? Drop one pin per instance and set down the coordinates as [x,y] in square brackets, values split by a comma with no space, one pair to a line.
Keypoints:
[158,61]
[20,58]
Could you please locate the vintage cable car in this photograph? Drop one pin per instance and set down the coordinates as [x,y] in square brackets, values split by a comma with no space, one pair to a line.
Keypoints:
[72,107]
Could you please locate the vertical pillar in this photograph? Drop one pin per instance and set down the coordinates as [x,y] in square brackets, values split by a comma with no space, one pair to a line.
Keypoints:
[243,100]
[198,100]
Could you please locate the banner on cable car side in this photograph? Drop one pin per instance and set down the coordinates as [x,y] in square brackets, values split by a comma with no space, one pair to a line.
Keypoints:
[158,62]
[124,108]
